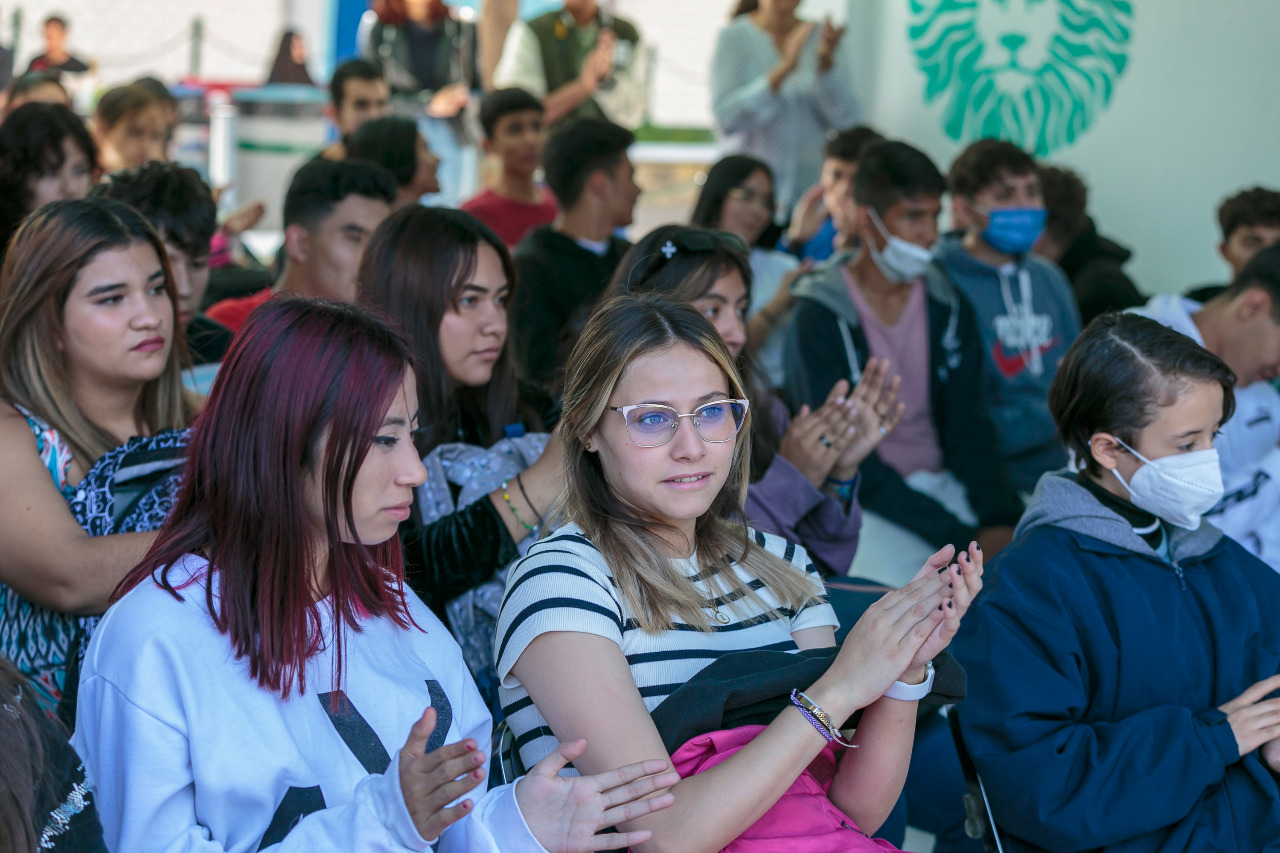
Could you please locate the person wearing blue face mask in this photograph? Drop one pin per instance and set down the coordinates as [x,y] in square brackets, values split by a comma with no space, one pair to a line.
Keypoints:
[1122,663]
[938,476]
[1026,310]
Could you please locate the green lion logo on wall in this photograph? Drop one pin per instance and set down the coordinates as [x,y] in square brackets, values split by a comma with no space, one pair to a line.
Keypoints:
[1035,72]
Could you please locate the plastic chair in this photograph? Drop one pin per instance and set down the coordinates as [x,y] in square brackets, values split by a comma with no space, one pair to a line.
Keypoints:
[979,823]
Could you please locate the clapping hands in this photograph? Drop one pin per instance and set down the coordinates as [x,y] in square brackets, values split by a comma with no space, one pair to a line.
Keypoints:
[563,812]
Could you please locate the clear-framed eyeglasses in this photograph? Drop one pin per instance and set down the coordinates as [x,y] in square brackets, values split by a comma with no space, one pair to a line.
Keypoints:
[653,425]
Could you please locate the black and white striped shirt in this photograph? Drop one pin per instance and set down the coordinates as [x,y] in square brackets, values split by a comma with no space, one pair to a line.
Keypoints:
[563,584]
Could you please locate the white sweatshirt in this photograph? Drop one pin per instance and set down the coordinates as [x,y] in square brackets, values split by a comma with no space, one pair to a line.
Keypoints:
[186,753]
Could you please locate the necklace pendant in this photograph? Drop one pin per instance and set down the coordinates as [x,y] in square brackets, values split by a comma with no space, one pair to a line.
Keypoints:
[722,618]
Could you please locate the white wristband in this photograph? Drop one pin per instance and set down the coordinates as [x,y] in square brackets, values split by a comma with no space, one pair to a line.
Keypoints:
[912,692]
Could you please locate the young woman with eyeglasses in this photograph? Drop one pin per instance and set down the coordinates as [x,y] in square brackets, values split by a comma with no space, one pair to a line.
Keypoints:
[803,470]
[651,577]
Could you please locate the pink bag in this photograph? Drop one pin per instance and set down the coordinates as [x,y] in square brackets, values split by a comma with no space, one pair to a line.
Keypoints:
[804,820]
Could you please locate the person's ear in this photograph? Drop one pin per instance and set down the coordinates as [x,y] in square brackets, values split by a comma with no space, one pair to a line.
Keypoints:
[862,221]
[486,145]
[589,443]
[1254,303]
[1222,252]
[964,215]
[331,113]
[599,184]
[1105,450]
[297,244]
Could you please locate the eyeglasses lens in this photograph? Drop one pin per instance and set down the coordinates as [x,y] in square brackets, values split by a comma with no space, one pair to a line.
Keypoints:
[651,426]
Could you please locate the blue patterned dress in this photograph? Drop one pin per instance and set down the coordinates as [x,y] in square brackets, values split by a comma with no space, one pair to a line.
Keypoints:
[130,489]
[34,638]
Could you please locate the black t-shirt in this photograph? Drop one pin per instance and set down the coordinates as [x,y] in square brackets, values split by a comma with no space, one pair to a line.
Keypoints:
[70,65]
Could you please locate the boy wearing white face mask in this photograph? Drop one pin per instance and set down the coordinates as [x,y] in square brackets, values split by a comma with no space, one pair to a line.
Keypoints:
[939,475]
[1120,665]
[1027,312]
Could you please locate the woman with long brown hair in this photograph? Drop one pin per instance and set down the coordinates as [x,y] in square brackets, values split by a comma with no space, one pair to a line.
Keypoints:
[448,279]
[89,357]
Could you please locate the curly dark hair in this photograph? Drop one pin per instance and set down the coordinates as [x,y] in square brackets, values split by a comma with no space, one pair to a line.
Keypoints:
[1254,206]
[31,144]
[1066,198]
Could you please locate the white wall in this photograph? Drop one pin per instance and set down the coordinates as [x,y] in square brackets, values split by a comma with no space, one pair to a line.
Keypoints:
[1194,118]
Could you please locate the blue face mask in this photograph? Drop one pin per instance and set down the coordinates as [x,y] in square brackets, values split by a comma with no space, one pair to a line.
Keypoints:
[1014,230]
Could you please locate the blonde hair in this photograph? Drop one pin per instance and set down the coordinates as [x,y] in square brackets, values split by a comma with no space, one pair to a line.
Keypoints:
[46,255]
[622,330]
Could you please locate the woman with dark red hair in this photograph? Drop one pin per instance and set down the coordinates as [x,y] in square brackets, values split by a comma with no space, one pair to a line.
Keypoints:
[256,677]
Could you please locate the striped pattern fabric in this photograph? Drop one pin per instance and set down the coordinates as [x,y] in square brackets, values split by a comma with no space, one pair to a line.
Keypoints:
[563,584]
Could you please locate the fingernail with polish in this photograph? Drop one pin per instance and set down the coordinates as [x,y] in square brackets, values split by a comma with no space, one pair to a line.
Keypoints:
[951,605]
[942,570]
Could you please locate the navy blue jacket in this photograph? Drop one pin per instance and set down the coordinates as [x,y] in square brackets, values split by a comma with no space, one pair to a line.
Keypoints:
[1096,670]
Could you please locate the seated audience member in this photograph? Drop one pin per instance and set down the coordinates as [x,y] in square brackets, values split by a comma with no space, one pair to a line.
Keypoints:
[513,132]
[1241,326]
[1092,263]
[652,576]
[1120,660]
[129,127]
[46,803]
[449,279]
[394,143]
[804,472]
[358,92]
[89,357]
[813,234]
[1250,221]
[738,197]
[330,211]
[36,87]
[1025,309]
[179,206]
[168,107]
[938,477]
[278,578]
[803,484]
[563,267]
[45,155]
[582,60]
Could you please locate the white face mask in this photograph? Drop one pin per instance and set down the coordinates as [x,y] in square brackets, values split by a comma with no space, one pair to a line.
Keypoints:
[1178,488]
[900,260]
